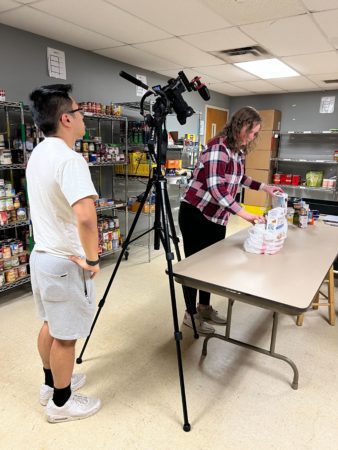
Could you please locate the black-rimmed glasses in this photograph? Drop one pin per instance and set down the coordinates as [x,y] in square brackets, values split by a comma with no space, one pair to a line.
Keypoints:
[72,111]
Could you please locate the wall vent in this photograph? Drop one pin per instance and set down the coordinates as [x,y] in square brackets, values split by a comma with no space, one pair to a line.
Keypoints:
[242,54]
[330,81]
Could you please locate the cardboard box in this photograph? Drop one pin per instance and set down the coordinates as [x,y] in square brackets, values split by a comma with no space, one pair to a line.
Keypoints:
[263,176]
[256,198]
[258,159]
[267,140]
[271,119]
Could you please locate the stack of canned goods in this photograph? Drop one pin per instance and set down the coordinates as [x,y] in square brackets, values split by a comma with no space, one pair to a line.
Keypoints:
[301,215]
[109,234]
[95,151]
[101,108]
[13,261]
[10,204]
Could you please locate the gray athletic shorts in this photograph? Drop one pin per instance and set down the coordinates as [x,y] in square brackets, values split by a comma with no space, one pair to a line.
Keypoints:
[64,295]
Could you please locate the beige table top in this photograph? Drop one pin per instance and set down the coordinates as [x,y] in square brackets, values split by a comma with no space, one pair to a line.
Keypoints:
[285,282]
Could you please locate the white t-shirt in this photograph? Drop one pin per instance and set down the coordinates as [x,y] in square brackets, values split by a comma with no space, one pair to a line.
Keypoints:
[57,177]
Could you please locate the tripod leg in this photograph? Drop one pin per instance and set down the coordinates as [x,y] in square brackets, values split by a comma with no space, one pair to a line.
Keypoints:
[175,239]
[124,249]
[177,333]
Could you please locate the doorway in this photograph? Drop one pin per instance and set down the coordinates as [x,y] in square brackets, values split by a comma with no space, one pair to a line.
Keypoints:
[215,119]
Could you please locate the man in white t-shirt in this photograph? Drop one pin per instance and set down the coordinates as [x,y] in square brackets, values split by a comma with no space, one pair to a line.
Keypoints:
[65,256]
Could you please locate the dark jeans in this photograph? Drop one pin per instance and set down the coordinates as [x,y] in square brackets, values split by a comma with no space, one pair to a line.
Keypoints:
[198,233]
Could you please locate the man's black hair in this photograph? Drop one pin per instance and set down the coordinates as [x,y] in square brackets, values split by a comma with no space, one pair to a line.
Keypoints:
[48,104]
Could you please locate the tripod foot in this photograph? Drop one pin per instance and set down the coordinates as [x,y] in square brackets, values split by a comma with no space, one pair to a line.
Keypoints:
[78,360]
[196,335]
[186,427]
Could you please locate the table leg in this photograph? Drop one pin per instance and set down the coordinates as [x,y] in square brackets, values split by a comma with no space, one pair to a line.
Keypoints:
[270,352]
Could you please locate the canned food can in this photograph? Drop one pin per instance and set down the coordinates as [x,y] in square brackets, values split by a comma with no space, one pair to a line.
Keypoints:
[10,275]
[22,258]
[303,221]
[15,261]
[22,271]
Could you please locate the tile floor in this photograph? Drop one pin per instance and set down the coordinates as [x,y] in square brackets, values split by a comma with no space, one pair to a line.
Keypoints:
[236,399]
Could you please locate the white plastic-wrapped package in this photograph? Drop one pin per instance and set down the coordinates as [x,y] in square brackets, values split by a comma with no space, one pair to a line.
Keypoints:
[268,238]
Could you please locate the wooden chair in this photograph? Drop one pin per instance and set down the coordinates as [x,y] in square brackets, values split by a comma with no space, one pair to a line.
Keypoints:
[329,279]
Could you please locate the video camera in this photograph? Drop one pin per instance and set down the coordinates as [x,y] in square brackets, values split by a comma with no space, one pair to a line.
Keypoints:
[172,93]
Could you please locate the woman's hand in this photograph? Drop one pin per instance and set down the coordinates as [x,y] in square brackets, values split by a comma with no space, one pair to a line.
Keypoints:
[252,218]
[271,190]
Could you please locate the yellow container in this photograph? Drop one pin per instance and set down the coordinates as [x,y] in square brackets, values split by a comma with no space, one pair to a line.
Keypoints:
[136,157]
[255,209]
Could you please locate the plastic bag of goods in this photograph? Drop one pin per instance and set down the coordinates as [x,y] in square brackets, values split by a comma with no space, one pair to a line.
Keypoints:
[268,238]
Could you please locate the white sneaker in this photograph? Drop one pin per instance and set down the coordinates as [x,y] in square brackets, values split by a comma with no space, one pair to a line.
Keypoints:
[209,314]
[77,407]
[201,326]
[46,392]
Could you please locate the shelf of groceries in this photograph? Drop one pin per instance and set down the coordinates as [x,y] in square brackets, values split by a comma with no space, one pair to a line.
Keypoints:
[18,282]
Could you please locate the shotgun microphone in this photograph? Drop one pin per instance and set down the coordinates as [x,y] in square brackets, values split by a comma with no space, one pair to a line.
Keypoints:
[134,80]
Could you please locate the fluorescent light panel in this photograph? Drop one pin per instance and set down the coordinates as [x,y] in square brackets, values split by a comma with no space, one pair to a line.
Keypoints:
[268,68]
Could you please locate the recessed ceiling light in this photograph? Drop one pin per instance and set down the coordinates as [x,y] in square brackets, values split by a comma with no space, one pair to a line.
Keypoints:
[268,68]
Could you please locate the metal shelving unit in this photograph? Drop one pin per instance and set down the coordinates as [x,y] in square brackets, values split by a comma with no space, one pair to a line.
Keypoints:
[18,282]
[300,152]
[20,223]
[104,125]
[9,109]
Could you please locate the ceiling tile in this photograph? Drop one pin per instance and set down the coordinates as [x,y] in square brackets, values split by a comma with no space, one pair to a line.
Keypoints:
[5,5]
[283,37]
[175,16]
[240,12]
[219,40]
[323,5]
[228,89]
[102,17]
[26,2]
[225,72]
[261,86]
[180,52]
[190,74]
[328,23]
[315,63]
[136,57]
[37,22]
[320,77]
[294,83]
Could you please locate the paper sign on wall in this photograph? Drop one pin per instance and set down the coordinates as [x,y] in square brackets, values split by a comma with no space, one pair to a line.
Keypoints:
[56,63]
[140,91]
[327,105]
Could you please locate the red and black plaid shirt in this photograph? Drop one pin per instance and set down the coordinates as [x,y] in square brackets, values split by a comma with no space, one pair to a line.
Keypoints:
[216,179]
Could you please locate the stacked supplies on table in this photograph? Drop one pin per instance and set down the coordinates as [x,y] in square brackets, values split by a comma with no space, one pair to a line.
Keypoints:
[268,238]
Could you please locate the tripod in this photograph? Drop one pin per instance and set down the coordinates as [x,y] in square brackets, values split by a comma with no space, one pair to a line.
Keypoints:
[164,229]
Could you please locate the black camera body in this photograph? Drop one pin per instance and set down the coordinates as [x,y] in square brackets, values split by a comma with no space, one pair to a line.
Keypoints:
[173,91]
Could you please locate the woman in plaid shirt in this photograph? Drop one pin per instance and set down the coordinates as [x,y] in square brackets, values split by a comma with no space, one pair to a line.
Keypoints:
[210,199]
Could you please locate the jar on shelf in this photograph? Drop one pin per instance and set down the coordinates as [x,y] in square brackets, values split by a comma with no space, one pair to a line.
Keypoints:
[22,271]
[6,157]
[10,276]
[9,204]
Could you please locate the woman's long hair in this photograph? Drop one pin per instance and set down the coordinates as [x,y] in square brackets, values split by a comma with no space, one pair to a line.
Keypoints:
[246,116]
